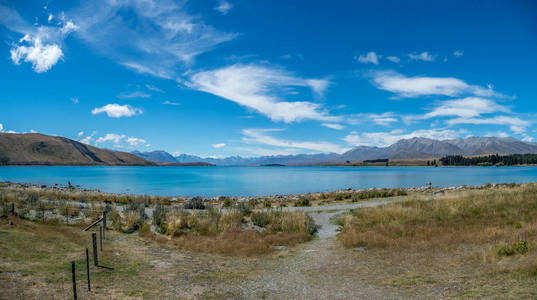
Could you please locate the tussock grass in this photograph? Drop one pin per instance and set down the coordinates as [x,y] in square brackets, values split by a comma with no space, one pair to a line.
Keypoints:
[499,225]
[230,232]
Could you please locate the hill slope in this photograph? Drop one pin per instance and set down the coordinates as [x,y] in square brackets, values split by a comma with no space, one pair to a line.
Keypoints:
[39,149]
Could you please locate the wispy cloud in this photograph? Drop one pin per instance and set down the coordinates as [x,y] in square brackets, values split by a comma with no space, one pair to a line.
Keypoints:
[261,88]
[466,108]
[74,100]
[218,146]
[394,59]
[333,126]
[261,136]
[223,7]
[424,56]
[117,111]
[416,86]
[171,103]
[383,119]
[458,53]
[384,139]
[158,37]
[370,57]
[133,95]
[153,88]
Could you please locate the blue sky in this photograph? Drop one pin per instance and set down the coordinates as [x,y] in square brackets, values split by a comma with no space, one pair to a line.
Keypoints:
[250,78]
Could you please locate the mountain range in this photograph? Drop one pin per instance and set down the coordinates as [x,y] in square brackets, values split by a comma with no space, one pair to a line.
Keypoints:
[39,149]
[414,148]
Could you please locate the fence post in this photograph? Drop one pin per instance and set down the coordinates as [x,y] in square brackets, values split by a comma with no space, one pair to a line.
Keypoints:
[87,269]
[12,208]
[74,279]
[104,224]
[101,237]
[95,258]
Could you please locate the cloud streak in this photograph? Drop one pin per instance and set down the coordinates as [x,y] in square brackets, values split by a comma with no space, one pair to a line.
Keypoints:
[405,87]
[157,39]
[261,88]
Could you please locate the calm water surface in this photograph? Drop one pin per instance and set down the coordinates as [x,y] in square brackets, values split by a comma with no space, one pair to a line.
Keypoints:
[258,181]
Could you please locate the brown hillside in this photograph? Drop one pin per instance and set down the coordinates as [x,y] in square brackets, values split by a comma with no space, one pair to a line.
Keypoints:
[40,149]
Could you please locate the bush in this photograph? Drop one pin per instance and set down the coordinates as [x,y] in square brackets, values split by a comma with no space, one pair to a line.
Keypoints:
[133,221]
[303,201]
[244,208]
[505,251]
[226,201]
[520,247]
[195,203]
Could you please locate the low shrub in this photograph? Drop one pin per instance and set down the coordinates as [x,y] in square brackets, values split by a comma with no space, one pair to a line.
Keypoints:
[303,201]
[194,203]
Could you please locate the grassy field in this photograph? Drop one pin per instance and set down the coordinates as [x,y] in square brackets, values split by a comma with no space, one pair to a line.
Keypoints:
[482,240]
[465,243]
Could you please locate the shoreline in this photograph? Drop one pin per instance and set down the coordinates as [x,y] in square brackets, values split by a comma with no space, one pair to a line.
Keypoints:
[274,197]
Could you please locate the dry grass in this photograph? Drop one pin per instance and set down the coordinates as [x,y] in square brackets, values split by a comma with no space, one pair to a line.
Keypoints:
[472,226]
[229,232]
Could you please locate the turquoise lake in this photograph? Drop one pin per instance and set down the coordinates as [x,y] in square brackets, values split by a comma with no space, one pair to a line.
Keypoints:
[258,181]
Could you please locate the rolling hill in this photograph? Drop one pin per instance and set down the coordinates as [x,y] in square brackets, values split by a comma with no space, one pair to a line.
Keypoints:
[39,149]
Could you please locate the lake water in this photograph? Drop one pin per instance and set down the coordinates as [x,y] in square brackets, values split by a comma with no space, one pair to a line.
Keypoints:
[259,181]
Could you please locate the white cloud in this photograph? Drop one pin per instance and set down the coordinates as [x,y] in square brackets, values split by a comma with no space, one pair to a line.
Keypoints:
[458,53]
[153,88]
[86,140]
[466,108]
[416,86]
[111,137]
[384,119]
[133,95]
[1,127]
[157,38]
[333,126]
[119,140]
[370,57]
[81,133]
[514,122]
[74,100]
[117,111]
[260,136]
[424,56]
[218,146]
[260,88]
[171,103]
[42,57]
[41,44]
[50,17]
[384,139]
[223,7]
[133,141]
[394,59]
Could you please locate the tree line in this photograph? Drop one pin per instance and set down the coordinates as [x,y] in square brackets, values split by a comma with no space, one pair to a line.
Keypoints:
[490,160]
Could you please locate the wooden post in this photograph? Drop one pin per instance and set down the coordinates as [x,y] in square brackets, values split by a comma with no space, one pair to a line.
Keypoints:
[104,224]
[67,214]
[12,208]
[87,269]
[101,237]
[74,279]
[95,258]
